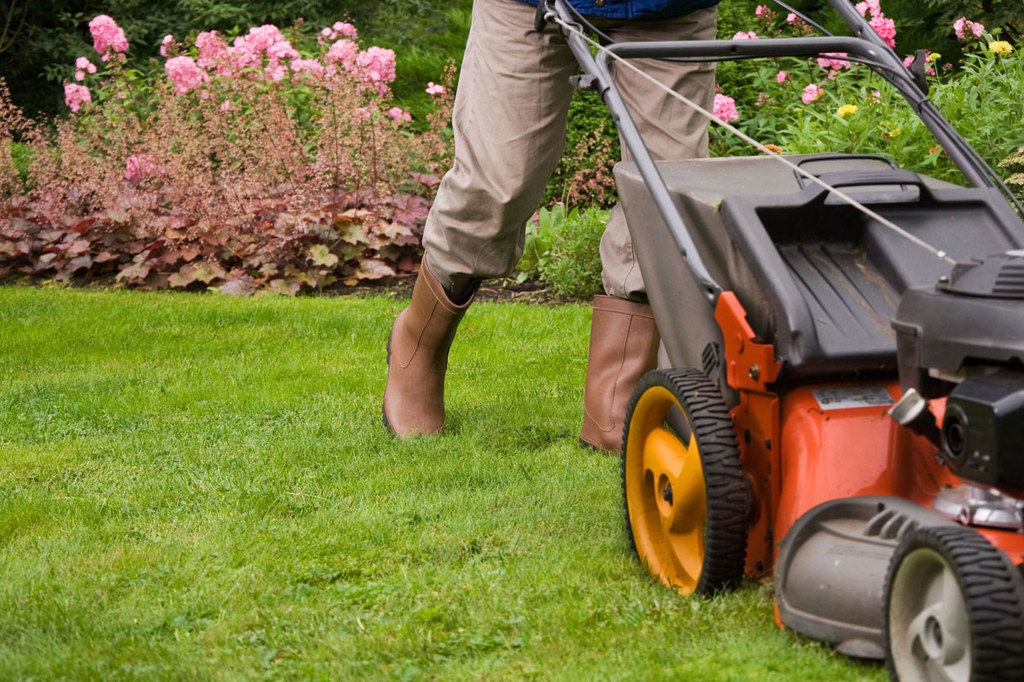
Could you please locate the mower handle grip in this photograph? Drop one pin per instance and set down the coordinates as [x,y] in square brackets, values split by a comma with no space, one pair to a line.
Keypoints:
[867,178]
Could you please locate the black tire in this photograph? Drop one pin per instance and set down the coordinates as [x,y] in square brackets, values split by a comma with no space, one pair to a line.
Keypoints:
[714,553]
[954,609]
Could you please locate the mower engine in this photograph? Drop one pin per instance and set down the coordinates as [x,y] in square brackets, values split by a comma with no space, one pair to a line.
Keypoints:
[963,340]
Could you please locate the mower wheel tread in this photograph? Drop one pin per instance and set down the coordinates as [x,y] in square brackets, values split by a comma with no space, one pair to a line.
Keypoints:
[727,487]
[993,590]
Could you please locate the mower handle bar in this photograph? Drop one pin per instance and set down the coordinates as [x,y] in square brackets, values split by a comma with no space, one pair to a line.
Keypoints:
[868,47]
[864,178]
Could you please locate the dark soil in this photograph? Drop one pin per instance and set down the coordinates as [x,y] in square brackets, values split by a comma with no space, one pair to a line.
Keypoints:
[501,290]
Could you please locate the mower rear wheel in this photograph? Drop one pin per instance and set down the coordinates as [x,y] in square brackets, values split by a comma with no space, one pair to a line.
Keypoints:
[686,497]
[954,609]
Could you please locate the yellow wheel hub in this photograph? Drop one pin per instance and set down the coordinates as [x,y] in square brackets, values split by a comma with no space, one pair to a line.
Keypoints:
[665,492]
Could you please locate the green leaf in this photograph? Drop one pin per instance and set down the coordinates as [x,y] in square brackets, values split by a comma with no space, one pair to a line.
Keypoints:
[321,255]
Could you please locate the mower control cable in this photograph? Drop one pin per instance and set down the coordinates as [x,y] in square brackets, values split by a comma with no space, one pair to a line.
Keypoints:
[882,220]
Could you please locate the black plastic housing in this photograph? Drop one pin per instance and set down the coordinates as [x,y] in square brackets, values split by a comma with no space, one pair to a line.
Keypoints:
[983,430]
[941,333]
[818,279]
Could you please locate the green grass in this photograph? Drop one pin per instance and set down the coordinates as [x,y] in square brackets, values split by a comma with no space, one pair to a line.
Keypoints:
[199,487]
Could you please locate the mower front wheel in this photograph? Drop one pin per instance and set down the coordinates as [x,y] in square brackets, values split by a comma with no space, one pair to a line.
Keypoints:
[954,609]
[687,499]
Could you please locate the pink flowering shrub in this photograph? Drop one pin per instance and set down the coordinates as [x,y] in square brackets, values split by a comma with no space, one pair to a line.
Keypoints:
[273,160]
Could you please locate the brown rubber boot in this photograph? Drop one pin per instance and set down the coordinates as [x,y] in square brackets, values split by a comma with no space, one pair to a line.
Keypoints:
[623,347]
[418,358]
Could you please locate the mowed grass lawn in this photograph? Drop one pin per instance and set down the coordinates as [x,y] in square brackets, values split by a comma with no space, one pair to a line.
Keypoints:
[195,487]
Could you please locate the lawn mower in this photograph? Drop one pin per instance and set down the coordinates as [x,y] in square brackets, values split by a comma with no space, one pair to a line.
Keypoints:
[839,402]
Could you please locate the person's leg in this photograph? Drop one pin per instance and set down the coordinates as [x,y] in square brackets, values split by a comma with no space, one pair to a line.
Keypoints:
[670,129]
[623,347]
[509,123]
[624,337]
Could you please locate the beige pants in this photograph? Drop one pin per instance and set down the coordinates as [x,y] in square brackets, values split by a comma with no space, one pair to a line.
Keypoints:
[510,119]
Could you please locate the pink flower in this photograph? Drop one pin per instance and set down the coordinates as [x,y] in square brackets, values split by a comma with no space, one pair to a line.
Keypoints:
[276,71]
[781,76]
[310,67]
[340,28]
[873,6]
[792,19]
[342,52]
[185,74]
[248,51]
[725,108]
[213,53]
[830,62]
[83,64]
[76,95]
[744,35]
[966,29]
[139,167]
[435,89]
[884,27]
[260,38]
[760,10]
[376,66]
[167,44]
[107,36]
[226,105]
[399,114]
[812,93]
[282,50]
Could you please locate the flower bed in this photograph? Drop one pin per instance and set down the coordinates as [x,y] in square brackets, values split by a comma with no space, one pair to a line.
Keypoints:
[269,161]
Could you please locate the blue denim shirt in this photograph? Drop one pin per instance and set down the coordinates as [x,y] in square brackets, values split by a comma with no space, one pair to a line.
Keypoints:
[635,9]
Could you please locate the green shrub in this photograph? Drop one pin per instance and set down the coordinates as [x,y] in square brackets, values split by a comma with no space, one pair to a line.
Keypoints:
[858,112]
[562,250]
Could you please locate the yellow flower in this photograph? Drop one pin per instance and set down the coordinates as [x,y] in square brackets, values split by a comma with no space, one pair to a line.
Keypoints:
[1000,47]
[934,56]
[846,110]
[895,132]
